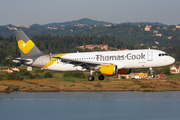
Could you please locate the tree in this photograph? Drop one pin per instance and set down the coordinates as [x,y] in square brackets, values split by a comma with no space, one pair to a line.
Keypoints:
[166,70]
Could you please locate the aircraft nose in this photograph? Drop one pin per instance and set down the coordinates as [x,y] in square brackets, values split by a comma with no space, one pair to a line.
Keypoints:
[171,60]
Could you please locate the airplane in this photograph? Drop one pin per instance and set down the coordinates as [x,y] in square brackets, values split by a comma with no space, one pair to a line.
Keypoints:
[104,62]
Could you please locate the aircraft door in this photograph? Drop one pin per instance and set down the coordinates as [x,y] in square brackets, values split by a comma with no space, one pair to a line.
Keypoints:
[149,55]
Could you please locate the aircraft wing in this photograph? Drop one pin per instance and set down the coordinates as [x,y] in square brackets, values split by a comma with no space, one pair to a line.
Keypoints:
[84,64]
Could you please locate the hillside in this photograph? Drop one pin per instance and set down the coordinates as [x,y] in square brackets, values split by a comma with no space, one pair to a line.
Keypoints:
[84,21]
[139,35]
[66,28]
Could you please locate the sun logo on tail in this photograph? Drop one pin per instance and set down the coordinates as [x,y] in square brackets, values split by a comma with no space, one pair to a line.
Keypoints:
[25,47]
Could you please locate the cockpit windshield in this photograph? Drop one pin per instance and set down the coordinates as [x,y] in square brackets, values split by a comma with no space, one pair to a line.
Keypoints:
[163,54]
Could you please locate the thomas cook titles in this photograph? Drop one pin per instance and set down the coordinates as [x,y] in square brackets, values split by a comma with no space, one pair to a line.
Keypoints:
[129,56]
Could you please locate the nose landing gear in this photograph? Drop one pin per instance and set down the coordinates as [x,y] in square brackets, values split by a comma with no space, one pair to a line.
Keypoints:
[152,72]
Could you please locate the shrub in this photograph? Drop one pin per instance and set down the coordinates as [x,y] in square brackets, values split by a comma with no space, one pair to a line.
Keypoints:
[71,85]
[74,74]
[14,76]
[144,86]
[36,75]
[39,71]
[31,76]
[1,78]
[48,75]
[23,72]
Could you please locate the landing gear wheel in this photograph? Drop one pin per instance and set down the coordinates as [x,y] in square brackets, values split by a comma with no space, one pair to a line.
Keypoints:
[91,78]
[101,77]
[152,76]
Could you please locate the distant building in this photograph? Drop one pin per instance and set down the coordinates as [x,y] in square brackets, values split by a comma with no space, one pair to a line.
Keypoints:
[7,70]
[142,44]
[22,26]
[15,69]
[81,47]
[107,25]
[169,37]
[161,76]
[158,35]
[29,68]
[156,42]
[175,69]
[11,28]
[52,28]
[155,31]
[165,28]
[134,76]
[80,25]
[177,26]
[11,70]
[102,47]
[105,47]
[113,48]
[143,75]
[174,29]
[154,46]
[148,28]
[27,26]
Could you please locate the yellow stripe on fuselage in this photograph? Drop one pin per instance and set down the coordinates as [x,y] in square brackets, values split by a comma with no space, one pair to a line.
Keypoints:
[53,60]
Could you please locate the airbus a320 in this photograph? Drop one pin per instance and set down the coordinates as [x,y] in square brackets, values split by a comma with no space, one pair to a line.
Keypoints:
[104,62]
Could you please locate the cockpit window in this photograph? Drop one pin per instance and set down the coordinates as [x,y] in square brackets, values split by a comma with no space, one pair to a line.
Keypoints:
[163,54]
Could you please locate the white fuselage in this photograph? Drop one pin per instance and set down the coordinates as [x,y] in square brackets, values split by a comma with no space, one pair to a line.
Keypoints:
[125,59]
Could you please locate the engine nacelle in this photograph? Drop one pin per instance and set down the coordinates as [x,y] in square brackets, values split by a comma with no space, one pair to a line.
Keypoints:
[16,61]
[124,71]
[108,69]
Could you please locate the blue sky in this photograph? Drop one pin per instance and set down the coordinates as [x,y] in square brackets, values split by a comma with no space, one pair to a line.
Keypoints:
[27,12]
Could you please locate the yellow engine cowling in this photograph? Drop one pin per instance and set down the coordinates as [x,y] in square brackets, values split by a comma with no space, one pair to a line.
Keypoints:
[124,71]
[108,69]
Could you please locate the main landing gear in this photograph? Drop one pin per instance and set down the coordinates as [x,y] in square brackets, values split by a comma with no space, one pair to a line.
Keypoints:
[152,73]
[101,77]
[91,77]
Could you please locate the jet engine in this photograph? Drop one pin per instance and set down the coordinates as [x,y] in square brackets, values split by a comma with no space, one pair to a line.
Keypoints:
[108,69]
